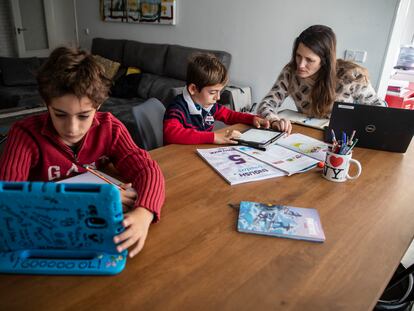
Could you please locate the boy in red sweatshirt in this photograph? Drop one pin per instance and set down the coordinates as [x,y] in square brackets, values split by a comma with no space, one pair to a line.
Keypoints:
[189,119]
[58,143]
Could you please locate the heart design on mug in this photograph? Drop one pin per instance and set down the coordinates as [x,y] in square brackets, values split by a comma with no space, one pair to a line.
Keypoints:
[335,161]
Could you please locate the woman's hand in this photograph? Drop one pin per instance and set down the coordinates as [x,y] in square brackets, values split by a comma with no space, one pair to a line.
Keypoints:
[226,137]
[260,122]
[136,225]
[282,125]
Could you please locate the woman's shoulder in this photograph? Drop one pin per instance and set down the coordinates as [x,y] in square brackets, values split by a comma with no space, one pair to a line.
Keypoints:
[348,72]
[287,69]
[286,74]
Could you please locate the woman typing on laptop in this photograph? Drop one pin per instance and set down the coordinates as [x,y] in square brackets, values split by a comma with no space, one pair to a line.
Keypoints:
[315,79]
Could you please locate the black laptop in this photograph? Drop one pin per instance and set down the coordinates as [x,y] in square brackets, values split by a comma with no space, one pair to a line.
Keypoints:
[377,127]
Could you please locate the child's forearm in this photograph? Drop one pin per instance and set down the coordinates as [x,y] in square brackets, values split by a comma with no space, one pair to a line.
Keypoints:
[232,117]
[176,134]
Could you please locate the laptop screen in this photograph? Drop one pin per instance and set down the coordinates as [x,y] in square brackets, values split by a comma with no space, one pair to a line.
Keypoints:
[376,127]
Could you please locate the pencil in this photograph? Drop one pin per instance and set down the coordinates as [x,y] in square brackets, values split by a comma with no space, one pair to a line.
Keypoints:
[352,137]
[333,135]
[120,187]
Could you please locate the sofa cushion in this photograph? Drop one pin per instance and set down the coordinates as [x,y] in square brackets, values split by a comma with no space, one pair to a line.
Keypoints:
[112,49]
[12,96]
[178,56]
[148,57]
[126,86]
[110,67]
[19,71]
[161,87]
[147,79]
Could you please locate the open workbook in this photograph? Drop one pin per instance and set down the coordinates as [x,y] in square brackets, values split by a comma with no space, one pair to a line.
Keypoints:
[295,153]
[303,119]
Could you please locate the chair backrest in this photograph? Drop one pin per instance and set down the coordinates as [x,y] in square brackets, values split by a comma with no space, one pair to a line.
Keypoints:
[149,117]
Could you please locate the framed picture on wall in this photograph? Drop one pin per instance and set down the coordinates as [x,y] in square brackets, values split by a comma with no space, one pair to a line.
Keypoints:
[157,12]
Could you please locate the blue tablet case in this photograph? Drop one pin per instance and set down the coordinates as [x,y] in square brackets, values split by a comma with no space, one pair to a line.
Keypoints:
[49,228]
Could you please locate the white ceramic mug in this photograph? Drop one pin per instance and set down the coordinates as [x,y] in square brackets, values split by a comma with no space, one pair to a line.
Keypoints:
[337,167]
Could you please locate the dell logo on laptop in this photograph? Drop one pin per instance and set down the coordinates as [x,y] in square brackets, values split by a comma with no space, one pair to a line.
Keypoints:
[370,128]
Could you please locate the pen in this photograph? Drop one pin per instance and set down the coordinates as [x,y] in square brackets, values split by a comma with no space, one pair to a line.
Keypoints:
[348,149]
[353,145]
[334,146]
[344,141]
[333,136]
[120,187]
[352,137]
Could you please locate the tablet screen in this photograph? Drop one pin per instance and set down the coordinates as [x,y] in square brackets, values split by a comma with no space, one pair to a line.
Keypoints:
[259,136]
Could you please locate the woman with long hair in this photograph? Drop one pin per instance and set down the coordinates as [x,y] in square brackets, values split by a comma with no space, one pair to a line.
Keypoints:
[315,79]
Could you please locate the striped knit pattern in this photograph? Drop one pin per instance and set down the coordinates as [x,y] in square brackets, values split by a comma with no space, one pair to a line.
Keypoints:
[288,84]
[182,127]
[35,152]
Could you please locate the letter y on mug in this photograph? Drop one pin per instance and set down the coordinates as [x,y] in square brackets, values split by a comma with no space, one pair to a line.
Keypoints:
[337,167]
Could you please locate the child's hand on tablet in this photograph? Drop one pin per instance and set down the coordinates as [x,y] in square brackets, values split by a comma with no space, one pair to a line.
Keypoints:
[128,197]
[260,122]
[226,137]
[136,225]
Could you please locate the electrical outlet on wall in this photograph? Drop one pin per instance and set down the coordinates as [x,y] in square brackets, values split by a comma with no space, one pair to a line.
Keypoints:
[356,56]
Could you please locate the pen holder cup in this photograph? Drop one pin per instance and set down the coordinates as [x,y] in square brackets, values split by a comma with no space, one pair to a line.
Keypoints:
[337,167]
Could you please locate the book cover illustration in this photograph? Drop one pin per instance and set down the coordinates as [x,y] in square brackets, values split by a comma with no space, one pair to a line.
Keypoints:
[281,221]
[306,145]
[237,167]
[282,158]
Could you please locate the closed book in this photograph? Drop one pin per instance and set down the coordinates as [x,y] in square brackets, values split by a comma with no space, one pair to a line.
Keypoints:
[280,221]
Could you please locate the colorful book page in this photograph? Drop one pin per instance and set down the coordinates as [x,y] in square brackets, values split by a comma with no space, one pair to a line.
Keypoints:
[282,158]
[304,144]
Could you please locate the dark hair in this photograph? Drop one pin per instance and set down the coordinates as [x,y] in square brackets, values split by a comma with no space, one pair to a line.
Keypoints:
[72,71]
[205,69]
[322,41]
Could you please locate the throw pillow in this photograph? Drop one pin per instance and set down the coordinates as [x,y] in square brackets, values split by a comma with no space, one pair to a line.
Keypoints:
[19,71]
[110,67]
[126,86]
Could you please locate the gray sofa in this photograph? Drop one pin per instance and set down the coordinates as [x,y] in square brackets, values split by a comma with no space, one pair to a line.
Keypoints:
[163,69]
[18,83]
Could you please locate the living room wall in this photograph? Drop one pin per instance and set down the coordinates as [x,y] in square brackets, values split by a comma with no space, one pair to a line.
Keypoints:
[258,34]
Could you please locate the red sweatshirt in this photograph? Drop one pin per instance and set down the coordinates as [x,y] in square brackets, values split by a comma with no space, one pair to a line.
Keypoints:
[187,123]
[35,152]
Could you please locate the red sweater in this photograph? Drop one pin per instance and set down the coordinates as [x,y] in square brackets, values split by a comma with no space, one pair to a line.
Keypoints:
[35,152]
[183,127]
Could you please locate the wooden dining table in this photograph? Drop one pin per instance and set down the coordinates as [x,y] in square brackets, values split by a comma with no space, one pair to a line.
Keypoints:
[195,259]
